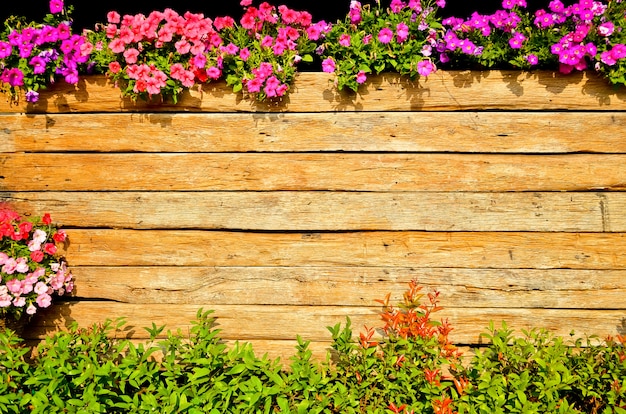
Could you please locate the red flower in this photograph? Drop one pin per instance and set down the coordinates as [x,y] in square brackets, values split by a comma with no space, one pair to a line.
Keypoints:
[36,256]
[50,248]
[46,219]
[25,228]
[395,409]
[59,236]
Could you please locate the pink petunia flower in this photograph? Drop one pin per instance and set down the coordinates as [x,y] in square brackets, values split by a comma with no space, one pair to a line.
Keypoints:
[402,32]
[361,77]
[344,40]
[113,17]
[385,35]
[425,67]
[328,65]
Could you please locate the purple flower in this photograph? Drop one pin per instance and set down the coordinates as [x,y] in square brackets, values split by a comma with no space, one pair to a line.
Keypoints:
[32,96]
[385,35]
[328,65]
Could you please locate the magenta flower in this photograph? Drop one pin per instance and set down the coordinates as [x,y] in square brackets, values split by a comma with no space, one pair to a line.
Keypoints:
[532,59]
[56,6]
[517,41]
[328,65]
[244,54]
[13,76]
[254,85]
[606,29]
[213,72]
[5,49]
[385,35]
[39,65]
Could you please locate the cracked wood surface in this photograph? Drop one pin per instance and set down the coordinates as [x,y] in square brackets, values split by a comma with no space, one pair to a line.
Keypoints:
[312,172]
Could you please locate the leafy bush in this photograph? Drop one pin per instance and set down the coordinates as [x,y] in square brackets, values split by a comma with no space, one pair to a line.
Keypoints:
[408,365]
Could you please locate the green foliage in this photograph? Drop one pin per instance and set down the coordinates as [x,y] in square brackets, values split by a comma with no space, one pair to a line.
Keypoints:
[407,365]
[540,373]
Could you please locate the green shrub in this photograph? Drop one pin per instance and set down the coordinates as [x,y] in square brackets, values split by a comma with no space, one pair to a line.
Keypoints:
[407,365]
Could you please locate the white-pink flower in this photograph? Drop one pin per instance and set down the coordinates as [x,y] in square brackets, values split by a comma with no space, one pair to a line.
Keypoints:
[9,266]
[41,288]
[21,265]
[14,286]
[5,301]
[44,300]
[19,301]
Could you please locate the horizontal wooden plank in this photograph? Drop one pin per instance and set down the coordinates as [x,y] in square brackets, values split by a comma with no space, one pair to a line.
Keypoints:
[337,172]
[510,132]
[252,322]
[349,286]
[331,211]
[315,92]
[506,250]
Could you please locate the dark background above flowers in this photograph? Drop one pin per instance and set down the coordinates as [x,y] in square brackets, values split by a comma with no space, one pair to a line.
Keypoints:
[86,15]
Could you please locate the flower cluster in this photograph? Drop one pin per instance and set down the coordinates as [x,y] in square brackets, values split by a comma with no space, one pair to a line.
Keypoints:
[32,55]
[260,53]
[30,270]
[154,55]
[576,37]
[163,53]
[403,38]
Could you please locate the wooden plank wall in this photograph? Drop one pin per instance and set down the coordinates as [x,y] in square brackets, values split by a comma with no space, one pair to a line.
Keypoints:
[503,190]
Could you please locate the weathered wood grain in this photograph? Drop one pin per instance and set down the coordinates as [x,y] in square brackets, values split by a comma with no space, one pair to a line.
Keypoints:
[487,132]
[332,211]
[252,322]
[350,286]
[337,172]
[504,250]
[315,92]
